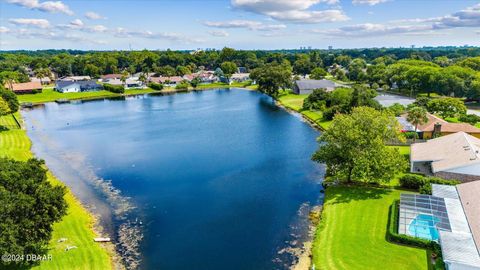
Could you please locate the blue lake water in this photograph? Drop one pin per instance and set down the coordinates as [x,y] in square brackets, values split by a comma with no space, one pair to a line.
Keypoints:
[213,180]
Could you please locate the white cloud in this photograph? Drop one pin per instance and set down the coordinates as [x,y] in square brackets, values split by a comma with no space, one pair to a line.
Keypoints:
[97,28]
[47,6]
[370,29]
[296,11]
[93,16]
[219,33]
[4,29]
[39,23]
[247,24]
[124,33]
[77,23]
[55,35]
[368,2]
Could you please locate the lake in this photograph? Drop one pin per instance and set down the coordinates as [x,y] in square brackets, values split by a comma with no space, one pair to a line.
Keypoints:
[209,180]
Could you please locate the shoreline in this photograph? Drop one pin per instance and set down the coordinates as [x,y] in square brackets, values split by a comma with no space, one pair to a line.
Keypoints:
[78,227]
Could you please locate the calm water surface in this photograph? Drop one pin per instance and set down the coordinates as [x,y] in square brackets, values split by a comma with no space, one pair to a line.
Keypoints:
[218,178]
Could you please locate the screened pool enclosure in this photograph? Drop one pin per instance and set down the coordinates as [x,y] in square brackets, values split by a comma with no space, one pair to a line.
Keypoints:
[422,216]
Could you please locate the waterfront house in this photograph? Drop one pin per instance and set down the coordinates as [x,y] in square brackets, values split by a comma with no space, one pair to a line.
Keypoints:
[301,87]
[110,76]
[167,81]
[131,82]
[240,77]
[450,217]
[75,78]
[436,126]
[77,86]
[25,88]
[44,80]
[455,156]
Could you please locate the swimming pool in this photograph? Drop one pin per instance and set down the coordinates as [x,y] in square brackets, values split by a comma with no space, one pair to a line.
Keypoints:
[423,226]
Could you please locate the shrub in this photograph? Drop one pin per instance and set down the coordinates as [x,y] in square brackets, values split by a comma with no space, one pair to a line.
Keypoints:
[182,85]
[472,119]
[329,113]
[114,88]
[412,181]
[410,135]
[426,189]
[441,181]
[155,86]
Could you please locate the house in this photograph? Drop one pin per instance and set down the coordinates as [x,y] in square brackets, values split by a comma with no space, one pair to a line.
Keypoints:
[44,80]
[455,156]
[436,126]
[241,70]
[77,86]
[110,76]
[167,81]
[240,77]
[23,88]
[302,87]
[132,82]
[75,78]
[450,217]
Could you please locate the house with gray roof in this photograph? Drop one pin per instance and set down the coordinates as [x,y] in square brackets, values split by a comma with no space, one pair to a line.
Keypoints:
[77,86]
[302,87]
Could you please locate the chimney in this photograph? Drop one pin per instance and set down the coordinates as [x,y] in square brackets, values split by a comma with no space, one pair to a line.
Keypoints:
[437,130]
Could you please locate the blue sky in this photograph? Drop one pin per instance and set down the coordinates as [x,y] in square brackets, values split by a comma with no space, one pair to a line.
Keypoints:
[241,24]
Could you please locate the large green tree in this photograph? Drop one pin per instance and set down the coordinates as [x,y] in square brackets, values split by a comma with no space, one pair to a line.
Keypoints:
[11,99]
[353,147]
[272,77]
[29,205]
[228,68]
[447,107]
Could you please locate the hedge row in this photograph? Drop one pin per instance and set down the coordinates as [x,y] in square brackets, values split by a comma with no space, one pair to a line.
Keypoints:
[423,183]
[114,88]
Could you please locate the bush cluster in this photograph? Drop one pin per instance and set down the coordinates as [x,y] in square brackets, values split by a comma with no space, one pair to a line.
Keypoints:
[155,86]
[423,183]
[114,88]
[472,119]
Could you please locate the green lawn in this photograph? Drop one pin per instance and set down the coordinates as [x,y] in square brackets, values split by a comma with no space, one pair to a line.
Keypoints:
[76,226]
[295,102]
[351,234]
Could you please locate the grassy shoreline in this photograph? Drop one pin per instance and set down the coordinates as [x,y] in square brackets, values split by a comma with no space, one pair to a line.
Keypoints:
[77,226]
[50,95]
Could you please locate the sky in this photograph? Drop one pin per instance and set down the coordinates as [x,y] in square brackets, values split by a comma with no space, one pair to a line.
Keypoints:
[240,24]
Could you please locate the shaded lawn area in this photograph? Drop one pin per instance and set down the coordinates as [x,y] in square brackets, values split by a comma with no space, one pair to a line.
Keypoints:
[351,234]
[76,226]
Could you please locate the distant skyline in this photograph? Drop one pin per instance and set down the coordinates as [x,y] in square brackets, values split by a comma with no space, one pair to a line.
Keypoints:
[241,24]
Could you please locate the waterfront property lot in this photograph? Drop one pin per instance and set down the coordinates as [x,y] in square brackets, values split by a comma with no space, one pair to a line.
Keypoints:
[76,226]
[351,234]
[295,102]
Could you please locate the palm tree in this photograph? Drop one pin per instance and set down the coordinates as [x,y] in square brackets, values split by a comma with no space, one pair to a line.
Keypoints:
[42,73]
[417,116]
[124,77]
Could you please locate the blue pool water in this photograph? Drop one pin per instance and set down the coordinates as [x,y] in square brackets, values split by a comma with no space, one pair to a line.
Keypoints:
[423,226]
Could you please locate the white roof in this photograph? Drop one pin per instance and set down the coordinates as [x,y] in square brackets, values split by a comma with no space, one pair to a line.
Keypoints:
[448,152]
[456,216]
[444,191]
[459,248]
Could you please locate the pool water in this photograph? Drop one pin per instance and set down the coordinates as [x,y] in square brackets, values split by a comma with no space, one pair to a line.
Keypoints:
[423,226]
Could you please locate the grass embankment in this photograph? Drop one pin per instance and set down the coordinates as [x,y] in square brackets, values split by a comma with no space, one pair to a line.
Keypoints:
[295,103]
[76,226]
[352,231]
[49,95]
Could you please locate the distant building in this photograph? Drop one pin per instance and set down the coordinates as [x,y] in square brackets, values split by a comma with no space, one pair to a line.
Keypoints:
[25,88]
[111,76]
[240,77]
[131,82]
[167,81]
[44,80]
[77,86]
[301,87]
[241,70]
[455,156]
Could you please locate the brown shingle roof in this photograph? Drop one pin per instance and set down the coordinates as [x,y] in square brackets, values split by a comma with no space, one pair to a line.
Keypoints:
[446,126]
[470,197]
[28,86]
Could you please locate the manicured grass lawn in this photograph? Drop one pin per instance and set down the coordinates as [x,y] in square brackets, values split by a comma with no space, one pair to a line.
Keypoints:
[404,149]
[295,102]
[351,234]
[76,226]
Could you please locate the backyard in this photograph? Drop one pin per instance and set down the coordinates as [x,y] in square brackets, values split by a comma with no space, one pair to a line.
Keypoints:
[75,227]
[352,231]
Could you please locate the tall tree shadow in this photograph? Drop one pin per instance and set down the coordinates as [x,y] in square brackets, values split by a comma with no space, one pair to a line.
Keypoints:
[348,193]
